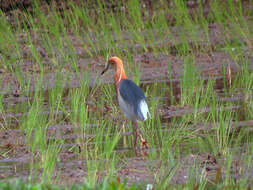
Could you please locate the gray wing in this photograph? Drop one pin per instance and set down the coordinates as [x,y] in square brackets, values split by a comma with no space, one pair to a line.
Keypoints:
[133,96]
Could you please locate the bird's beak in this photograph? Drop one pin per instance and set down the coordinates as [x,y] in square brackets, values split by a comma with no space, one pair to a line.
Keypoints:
[106,68]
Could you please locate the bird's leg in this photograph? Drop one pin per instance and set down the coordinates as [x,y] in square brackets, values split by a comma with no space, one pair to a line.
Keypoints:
[138,134]
[144,143]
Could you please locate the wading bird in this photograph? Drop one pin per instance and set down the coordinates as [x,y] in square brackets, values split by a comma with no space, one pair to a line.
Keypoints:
[131,99]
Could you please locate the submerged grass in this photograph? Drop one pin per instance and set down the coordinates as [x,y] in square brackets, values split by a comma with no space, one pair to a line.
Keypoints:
[50,43]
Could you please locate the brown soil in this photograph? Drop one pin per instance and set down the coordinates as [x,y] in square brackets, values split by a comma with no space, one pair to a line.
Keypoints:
[15,155]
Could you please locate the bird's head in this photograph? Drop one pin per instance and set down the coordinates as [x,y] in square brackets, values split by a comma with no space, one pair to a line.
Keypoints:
[115,61]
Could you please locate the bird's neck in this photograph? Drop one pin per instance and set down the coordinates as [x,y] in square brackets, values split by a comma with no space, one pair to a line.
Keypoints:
[119,75]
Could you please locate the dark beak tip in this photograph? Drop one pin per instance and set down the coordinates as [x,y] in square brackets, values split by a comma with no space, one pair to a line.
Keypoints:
[105,69]
[102,72]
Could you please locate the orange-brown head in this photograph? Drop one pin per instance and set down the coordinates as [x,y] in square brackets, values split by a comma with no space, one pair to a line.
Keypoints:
[119,70]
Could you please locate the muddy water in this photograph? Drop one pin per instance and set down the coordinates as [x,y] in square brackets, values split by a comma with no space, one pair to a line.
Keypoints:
[14,162]
[154,71]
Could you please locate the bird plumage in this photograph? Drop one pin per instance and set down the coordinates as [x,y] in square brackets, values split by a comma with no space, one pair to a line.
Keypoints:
[130,97]
[143,110]
[135,106]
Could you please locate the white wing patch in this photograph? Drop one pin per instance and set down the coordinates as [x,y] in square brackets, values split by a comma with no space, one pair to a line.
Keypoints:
[144,109]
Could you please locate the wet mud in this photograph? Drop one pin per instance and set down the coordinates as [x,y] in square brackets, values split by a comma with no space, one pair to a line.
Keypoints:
[155,69]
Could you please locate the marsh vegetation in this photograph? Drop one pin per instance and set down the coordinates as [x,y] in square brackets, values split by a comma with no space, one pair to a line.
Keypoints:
[59,120]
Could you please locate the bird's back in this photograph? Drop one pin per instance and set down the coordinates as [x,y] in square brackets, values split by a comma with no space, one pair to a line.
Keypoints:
[132,100]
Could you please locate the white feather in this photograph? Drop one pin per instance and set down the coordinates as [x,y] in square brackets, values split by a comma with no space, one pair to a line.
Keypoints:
[144,109]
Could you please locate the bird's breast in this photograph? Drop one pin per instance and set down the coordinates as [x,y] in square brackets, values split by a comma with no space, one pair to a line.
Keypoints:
[127,108]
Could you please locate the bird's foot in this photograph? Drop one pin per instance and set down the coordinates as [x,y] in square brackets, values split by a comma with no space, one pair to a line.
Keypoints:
[144,143]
